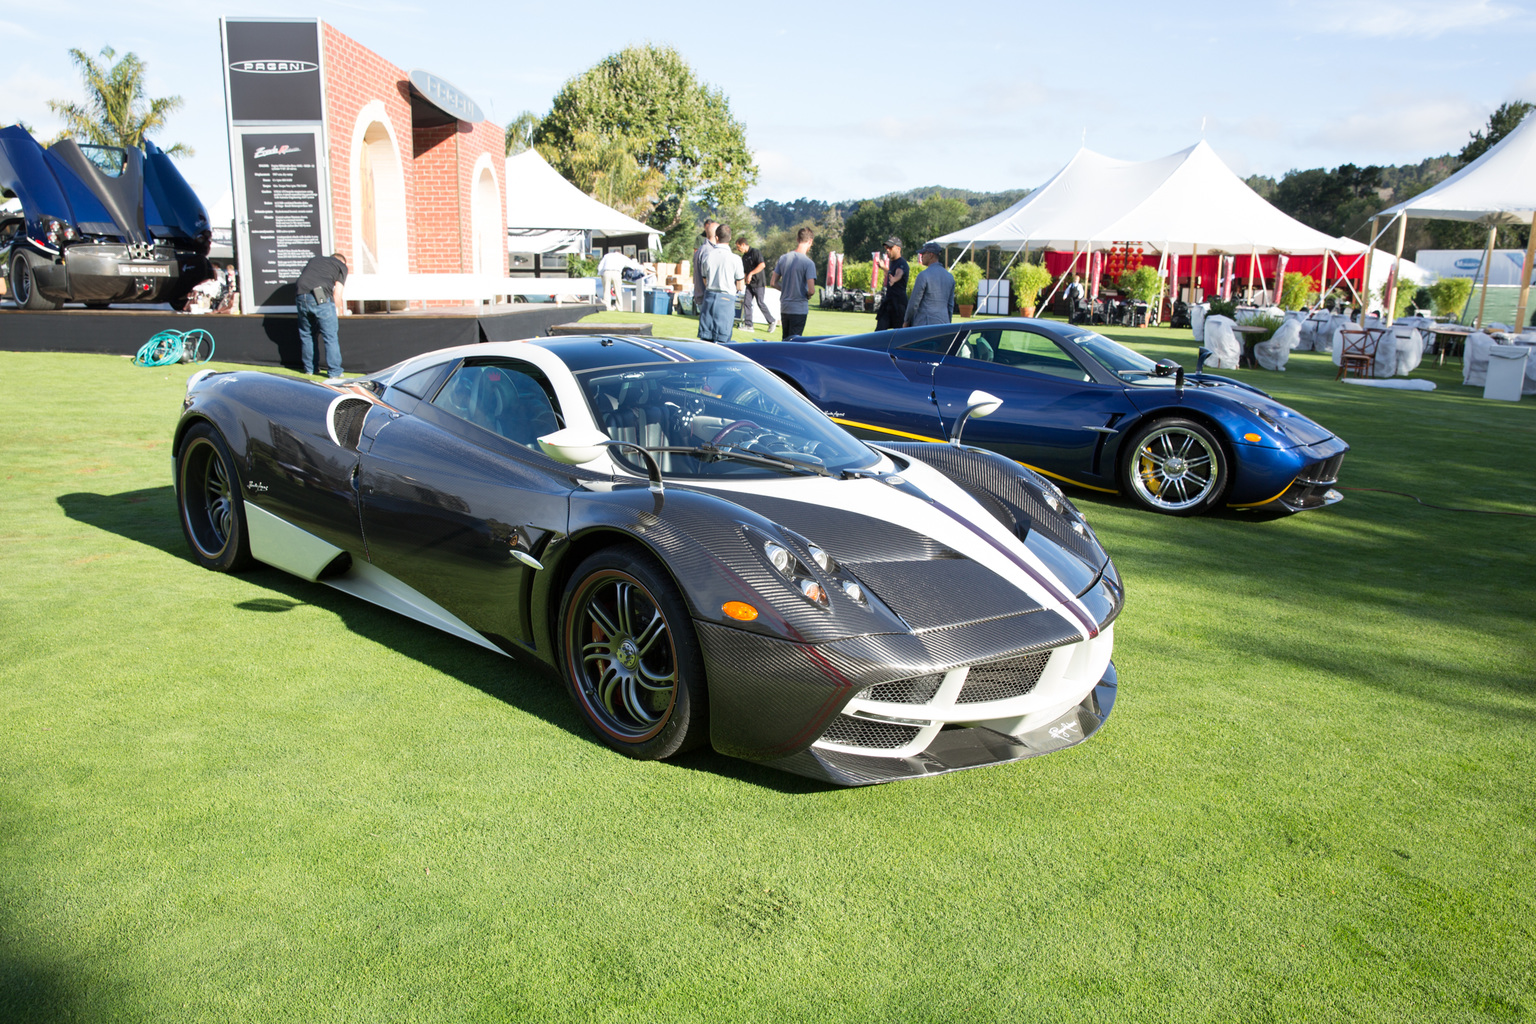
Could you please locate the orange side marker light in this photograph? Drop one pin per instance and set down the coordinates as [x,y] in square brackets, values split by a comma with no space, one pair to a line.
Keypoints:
[739,610]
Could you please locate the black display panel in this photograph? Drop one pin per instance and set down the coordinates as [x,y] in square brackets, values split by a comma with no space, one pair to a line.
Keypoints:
[273,70]
[282,195]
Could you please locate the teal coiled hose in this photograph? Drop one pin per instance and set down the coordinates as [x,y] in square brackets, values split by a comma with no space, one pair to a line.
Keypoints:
[167,347]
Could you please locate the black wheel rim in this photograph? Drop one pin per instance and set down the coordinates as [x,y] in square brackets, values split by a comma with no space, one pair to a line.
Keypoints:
[21,282]
[1175,469]
[621,656]
[208,500]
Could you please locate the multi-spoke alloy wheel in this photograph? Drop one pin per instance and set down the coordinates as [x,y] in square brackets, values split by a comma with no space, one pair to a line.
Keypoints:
[631,660]
[1176,467]
[212,514]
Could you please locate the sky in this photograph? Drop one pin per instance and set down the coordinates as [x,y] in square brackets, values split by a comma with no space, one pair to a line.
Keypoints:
[859,101]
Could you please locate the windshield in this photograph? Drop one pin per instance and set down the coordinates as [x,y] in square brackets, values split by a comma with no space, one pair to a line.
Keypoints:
[1112,355]
[736,406]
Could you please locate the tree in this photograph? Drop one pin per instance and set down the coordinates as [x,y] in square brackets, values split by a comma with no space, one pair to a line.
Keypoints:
[116,111]
[1500,123]
[606,169]
[520,132]
[648,98]
[1334,202]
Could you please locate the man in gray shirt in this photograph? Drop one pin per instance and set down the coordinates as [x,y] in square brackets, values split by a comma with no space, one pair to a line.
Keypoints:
[722,280]
[933,290]
[794,275]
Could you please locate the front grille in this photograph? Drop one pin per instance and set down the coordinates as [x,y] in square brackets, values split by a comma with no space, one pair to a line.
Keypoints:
[1325,472]
[1003,680]
[848,731]
[918,690]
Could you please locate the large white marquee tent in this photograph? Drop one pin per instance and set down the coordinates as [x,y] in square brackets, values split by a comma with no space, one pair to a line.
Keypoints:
[1498,187]
[546,213]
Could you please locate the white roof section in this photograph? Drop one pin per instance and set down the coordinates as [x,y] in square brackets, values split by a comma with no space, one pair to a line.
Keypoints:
[1173,203]
[538,197]
[1498,187]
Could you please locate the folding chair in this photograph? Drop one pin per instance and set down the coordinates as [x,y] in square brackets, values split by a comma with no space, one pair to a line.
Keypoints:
[1359,352]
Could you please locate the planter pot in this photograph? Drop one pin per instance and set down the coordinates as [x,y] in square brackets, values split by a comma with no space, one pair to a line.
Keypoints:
[1029,311]
[966,311]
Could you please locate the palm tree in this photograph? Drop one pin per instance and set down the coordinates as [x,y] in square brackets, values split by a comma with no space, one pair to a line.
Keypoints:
[116,111]
[520,132]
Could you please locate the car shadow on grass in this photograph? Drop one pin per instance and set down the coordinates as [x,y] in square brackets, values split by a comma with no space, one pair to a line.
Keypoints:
[148,516]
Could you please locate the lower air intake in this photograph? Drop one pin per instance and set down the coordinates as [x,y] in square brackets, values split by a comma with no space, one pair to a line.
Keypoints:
[918,690]
[848,731]
[1003,680]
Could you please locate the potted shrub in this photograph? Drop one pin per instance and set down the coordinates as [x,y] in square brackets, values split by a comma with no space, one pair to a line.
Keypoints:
[1295,290]
[1028,280]
[857,276]
[1401,301]
[1141,285]
[967,283]
[1449,295]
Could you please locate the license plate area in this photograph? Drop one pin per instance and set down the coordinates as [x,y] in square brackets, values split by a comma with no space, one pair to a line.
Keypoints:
[147,270]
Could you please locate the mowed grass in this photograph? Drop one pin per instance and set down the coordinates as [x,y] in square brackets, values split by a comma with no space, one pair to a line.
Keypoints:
[255,799]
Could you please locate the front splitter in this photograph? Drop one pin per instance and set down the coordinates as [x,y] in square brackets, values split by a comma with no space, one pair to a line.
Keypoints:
[954,750]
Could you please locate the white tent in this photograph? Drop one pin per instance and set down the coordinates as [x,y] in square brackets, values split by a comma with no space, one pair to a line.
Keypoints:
[1174,203]
[546,213]
[1498,187]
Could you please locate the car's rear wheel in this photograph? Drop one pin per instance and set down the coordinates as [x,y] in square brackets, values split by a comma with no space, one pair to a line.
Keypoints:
[24,285]
[629,655]
[208,496]
[1176,467]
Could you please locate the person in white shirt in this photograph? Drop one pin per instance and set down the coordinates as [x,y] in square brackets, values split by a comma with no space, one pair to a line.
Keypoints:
[612,267]
[723,274]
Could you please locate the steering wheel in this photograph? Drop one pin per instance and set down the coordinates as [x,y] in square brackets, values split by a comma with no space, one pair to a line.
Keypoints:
[737,425]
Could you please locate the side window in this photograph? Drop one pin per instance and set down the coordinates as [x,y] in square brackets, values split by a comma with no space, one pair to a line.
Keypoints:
[512,401]
[938,344]
[1023,349]
[423,383]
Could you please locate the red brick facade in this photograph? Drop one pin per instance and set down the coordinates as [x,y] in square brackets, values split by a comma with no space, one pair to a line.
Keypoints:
[436,164]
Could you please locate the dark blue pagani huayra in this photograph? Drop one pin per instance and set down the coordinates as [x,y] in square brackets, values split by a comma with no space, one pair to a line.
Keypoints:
[701,554]
[1077,407]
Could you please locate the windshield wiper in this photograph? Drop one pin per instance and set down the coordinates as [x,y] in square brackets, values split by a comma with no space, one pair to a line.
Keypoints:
[710,452]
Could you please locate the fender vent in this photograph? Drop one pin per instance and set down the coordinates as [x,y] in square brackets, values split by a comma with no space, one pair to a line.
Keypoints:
[347,418]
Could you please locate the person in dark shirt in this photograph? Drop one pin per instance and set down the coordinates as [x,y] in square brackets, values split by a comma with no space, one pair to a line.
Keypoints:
[757,284]
[319,297]
[893,302]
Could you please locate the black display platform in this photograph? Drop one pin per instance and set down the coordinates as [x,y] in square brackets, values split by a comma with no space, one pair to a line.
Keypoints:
[368,343]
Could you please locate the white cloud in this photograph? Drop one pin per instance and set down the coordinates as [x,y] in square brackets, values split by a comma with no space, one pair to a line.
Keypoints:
[1412,129]
[1426,18]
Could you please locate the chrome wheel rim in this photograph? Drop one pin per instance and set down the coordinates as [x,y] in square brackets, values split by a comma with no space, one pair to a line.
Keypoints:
[208,500]
[621,656]
[1174,469]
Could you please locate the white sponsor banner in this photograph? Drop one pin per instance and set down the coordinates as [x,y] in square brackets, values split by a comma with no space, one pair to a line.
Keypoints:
[1503,268]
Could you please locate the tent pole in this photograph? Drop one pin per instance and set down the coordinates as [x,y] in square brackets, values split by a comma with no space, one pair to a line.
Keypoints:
[1194,272]
[1322,284]
[1369,250]
[1397,268]
[1155,314]
[1525,277]
[1253,257]
[1065,274]
[1487,259]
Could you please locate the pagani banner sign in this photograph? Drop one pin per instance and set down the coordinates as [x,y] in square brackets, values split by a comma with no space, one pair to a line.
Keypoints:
[274,103]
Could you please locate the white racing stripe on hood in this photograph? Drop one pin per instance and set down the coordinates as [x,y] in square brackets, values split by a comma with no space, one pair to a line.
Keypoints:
[882,502]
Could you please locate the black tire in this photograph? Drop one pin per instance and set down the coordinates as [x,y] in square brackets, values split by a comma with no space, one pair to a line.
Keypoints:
[24,285]
[1176,467]
[629,656]
[210,500]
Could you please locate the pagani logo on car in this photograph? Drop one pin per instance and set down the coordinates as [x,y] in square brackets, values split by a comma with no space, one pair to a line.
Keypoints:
[252,485]
[283,150]
[274,67]
[1063,732]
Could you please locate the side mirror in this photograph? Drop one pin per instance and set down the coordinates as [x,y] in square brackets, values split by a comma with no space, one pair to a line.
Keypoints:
[979,404]
[1164,367]
[1204,354]
[574,446]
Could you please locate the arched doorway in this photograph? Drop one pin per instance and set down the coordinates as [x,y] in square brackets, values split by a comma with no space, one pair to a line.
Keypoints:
[489,232]
[378,193]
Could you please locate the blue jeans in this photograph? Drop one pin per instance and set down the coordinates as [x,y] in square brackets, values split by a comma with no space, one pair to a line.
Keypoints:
[716,316]
[318,317]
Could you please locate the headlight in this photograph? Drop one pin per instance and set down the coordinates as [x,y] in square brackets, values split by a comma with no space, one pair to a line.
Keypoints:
[805,581]
[822,559]
[779,555]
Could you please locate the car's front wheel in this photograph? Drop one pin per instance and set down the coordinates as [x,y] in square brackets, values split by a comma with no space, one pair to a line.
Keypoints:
[208,496]
[1176,467]
[629,655]
[24,285]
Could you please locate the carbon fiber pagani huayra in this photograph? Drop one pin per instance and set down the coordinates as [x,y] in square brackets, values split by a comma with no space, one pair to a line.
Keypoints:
[700,553]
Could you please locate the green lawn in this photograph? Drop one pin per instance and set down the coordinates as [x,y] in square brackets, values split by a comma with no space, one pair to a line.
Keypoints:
[255,799]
